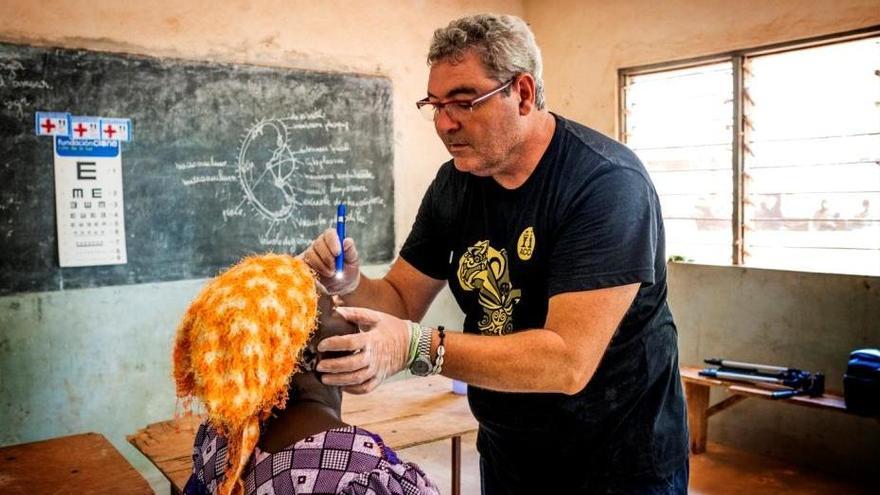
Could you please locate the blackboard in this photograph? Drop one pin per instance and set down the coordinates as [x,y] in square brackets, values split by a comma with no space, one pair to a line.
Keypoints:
[203,137]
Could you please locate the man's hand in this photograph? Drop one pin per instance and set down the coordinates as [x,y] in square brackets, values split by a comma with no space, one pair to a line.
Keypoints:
[321,257]
[381,350]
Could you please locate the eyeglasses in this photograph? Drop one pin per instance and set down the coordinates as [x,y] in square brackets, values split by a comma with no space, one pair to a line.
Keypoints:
[456,109]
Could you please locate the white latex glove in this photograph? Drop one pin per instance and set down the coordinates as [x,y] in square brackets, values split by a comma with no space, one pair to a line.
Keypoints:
[321,257]
[381,350]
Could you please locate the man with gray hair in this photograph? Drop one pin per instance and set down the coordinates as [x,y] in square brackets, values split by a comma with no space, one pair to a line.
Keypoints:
[551,238]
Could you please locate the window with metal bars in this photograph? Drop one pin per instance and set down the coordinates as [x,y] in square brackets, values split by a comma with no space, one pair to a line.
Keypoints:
[767,158]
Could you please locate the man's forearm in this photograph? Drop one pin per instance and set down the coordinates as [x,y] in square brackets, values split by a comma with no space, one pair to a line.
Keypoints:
[529,361]
[377,294]
[403,292]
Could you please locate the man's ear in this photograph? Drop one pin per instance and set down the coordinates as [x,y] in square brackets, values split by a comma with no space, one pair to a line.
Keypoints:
[524,86]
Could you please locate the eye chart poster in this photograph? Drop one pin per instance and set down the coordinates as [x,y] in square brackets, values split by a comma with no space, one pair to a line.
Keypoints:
[88,202]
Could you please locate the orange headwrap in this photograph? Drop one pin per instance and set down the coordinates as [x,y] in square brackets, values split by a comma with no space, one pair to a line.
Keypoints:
[238,345]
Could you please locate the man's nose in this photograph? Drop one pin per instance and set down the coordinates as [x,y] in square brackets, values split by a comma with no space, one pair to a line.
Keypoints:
[444,123]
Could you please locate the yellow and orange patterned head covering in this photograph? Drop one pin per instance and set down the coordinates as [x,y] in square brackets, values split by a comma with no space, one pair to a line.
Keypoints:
[238,345]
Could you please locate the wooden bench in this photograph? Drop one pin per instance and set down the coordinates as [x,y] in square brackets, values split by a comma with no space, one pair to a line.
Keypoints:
[78,464]
[405,413]
[696,389]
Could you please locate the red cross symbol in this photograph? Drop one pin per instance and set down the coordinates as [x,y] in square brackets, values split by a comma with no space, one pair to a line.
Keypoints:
[110,131]
[80,129]
[48,125]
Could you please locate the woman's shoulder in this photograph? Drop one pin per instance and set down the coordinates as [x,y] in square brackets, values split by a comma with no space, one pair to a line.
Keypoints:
[331,461]
[340,438]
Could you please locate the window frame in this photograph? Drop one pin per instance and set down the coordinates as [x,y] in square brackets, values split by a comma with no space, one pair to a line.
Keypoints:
[737,59]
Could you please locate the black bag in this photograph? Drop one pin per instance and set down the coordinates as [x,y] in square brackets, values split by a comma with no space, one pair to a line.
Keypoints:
[861,383]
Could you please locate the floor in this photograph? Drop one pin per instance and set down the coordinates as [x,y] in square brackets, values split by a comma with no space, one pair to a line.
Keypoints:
[720,471]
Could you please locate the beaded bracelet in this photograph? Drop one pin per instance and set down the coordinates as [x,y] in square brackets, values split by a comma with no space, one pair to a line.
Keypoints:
[441,351]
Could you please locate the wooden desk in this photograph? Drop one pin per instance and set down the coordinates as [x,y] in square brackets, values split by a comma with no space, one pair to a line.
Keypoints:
[696,389]
[77,464]
[405,413]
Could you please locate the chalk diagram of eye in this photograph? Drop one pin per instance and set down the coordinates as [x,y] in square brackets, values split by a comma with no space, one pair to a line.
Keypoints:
[267,168]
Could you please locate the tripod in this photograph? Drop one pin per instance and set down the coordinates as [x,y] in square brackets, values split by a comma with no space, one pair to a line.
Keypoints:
[794,381]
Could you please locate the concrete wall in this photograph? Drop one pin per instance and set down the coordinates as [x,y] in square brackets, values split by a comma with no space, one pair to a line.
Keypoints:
[805,320]
[798,319]
[99,359]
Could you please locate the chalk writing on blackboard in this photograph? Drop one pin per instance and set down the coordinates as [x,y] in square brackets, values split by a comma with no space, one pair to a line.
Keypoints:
[9,77]
[226,160]
[287,166]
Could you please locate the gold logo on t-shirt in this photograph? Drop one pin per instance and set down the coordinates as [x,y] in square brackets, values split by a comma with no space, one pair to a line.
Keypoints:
[485,269]
[525,246]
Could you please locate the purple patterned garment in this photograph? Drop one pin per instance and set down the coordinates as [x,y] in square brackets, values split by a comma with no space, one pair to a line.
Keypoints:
[347,460]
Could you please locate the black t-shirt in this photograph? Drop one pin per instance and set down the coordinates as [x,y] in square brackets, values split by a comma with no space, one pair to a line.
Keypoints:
[587,218]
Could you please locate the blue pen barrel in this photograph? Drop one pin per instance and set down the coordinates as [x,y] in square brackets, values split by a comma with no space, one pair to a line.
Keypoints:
[340,231]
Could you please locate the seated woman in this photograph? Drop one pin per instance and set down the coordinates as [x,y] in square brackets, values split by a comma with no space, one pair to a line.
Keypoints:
[264,435]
